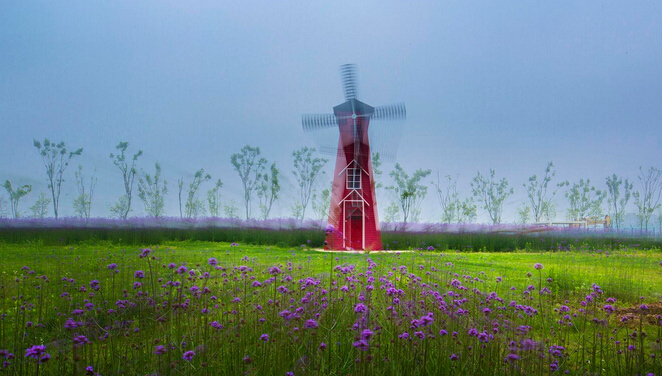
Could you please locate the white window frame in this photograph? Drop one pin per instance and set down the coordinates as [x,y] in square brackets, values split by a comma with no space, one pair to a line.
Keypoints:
[350,180]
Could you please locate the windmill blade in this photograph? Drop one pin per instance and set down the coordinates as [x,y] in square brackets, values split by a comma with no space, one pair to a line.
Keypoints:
[349,81]
[390,112]
[316,121]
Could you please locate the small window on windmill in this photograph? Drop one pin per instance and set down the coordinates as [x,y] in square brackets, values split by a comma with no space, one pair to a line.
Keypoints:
[353,178]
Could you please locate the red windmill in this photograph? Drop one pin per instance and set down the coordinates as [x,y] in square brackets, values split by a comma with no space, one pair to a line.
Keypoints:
[353,210]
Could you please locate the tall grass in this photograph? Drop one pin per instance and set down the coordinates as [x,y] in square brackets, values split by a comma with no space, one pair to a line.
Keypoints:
[191,310]
[293,233]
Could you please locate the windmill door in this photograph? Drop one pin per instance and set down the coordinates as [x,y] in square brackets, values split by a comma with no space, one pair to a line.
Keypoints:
[354,224]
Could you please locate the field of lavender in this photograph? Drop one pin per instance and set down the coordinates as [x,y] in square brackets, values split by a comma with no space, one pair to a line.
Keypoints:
[209,308]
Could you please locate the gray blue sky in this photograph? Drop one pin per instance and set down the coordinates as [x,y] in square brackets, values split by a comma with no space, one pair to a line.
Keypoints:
[507,85]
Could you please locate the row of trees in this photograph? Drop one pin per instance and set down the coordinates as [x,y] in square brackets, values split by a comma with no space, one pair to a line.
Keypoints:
[258,177]
[584,199]
[261,179]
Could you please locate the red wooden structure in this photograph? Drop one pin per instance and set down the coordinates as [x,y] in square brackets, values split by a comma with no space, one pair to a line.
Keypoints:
[353,219]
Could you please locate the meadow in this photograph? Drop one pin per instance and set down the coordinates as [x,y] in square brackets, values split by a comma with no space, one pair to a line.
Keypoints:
[221,308]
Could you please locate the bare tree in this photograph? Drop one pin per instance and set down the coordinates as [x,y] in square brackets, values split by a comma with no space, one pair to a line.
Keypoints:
[306,171]
[648,199]
[585,200]
[15,196]
[123,206]
[152,192]
[56,159]
[83,202]
[267,190]
[540,203]
[617,203]
[491,194]
[249,167]
[409,190]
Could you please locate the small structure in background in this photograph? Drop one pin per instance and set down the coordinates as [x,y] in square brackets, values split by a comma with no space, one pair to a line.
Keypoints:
[581,224]
[353,216]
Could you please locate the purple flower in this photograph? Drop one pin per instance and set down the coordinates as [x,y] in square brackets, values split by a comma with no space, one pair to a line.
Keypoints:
[322,346]
[361,345]
[453,357]
[366,334]
[160,350]
[538,266]
[139,274]
[212,261]
[311,324]
[360,308]
[35,351]
[112,266]
[420,335]
[94,284]
[188,356]
[89,370]
[145,253]
[511,358]
[264,338]
[80,341]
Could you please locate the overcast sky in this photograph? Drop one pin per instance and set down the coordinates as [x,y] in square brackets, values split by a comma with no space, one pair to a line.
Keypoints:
[487,84]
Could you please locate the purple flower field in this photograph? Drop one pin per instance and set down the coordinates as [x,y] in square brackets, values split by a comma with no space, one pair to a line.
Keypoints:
[261,311]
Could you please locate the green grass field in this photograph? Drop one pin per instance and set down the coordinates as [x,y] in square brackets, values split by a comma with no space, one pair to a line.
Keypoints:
[125,316]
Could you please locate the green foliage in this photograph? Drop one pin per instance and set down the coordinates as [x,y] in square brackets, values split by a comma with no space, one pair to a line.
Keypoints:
[121,209]
[453,210]
[3,207]
[491,194]
[128,175]
[306,170]
[409,190]
[392,213]
[56,160]
[321,204]
[194,206]
[152,192]
[83,202]
[524,214]
[15,196]
[230,209]
[40,208]
[249,167]
[376,169]
[537,192]
[267,190]
[648,199]
[214,199]
[585,200]
[617,203]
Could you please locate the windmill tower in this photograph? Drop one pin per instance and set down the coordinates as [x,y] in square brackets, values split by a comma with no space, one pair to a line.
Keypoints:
[353,209]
